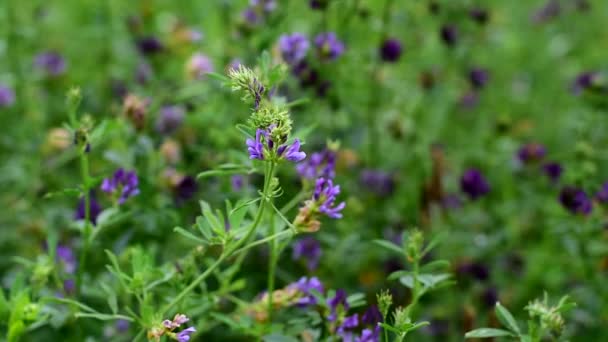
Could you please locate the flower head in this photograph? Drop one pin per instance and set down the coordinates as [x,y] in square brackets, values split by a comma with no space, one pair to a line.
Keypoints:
[65,255]
[553,170]
[305,286]
[292,152]
[478,77]
[51,62]
[325,194]
[308,249]
[124,183]
[531,152]
[184,335]
[320,164]
[474,184]
[391,50]
[338,301]
[198,66]
[575,200]
[256,147]
[7,96]
[94,209]
[169,119]
[602,195]
[293,47]
[149,45]
[379,182]
[329,46]
[264,146]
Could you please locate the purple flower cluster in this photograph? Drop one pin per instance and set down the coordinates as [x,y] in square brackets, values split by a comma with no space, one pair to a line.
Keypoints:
[553,170]
[390,50]
[170,119]
[65,255]
[94,209]
[51,62]
[325,195]
[7,96]
[474,184]
[329,46]
[602,195]
[263,143]
[531,152]
[306,285]
[293,47]
[378,182]
[257,10]
[308,249]
[575,200]
[123,182]
[319,164]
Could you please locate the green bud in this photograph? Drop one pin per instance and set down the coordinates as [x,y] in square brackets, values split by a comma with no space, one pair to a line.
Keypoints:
[401,318]
[275,116]
[413,246]
[385,300]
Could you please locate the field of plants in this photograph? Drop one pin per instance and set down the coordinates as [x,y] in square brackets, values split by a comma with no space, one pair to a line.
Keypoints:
[314,170]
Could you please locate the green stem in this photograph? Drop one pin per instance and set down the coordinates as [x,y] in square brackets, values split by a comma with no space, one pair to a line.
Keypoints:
[272,265]
[230,251]
[84,169]
[264,240]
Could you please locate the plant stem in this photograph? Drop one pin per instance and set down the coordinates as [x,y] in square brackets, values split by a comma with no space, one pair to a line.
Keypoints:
[229,251]
[272,265]
[275,236]
[84,169]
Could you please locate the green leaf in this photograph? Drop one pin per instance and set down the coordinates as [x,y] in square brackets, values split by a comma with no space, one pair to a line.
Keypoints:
[69,192]
[279,338]
[390,328]
[505,317]
[189,235]
[487,332]
[435,265]
[399,274]
[388,245]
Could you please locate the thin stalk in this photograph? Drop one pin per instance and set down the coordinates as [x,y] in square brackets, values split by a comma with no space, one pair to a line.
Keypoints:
[84,169]
[272,265]
[263,241]
[230,251]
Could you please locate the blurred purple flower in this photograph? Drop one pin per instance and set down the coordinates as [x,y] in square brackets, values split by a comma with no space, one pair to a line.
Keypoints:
[7,96]
[293,47]
[489,297]
[325,195]
[474,184]
[122,325]
[339,299]
[237,182]
[329,46]
[476,270]
[149,45]
[438,327]
[372,316]
[480,15]
[184,335]
[553,170]
[349,323]
[451,201]
[550,10]
[186,189]
[602,195]
[124,182]
[584,81]
[531,152]
[469,100]
[575,200]
[379,182]
[69,286]
[94,209]
[65,255]
[306,285]
[319,164]
[308,249]
[369,335]
[478,77]
[52,63]
[449,35]
[198,66]
[319,4]
[390,50]
[170,119]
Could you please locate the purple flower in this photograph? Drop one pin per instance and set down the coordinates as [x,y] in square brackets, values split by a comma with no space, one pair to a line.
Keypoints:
[308,249]
[126,183]
[255,147]
[306,285]
[319,4]
[451,201]
[320,164]
[65,255]
[584,81]
[52,62]
[469,100]
[575,200]
[391,50]
[169,119]
[372,316]
[479,14]
[334,303]
[292,152]
[349,323]
[369,335]
[149,45]
[293,47]
[325,195]
[184,335]
[553,170]
[476,270]
[186,188]
[237,182]
[7,96]
[449,35]
[122,325]
[531,152]
[94,209]
[198,66]
[379,182]
[329,46]
[489,297]
[602,195]
[69,286]
[474,184]
[478,77]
